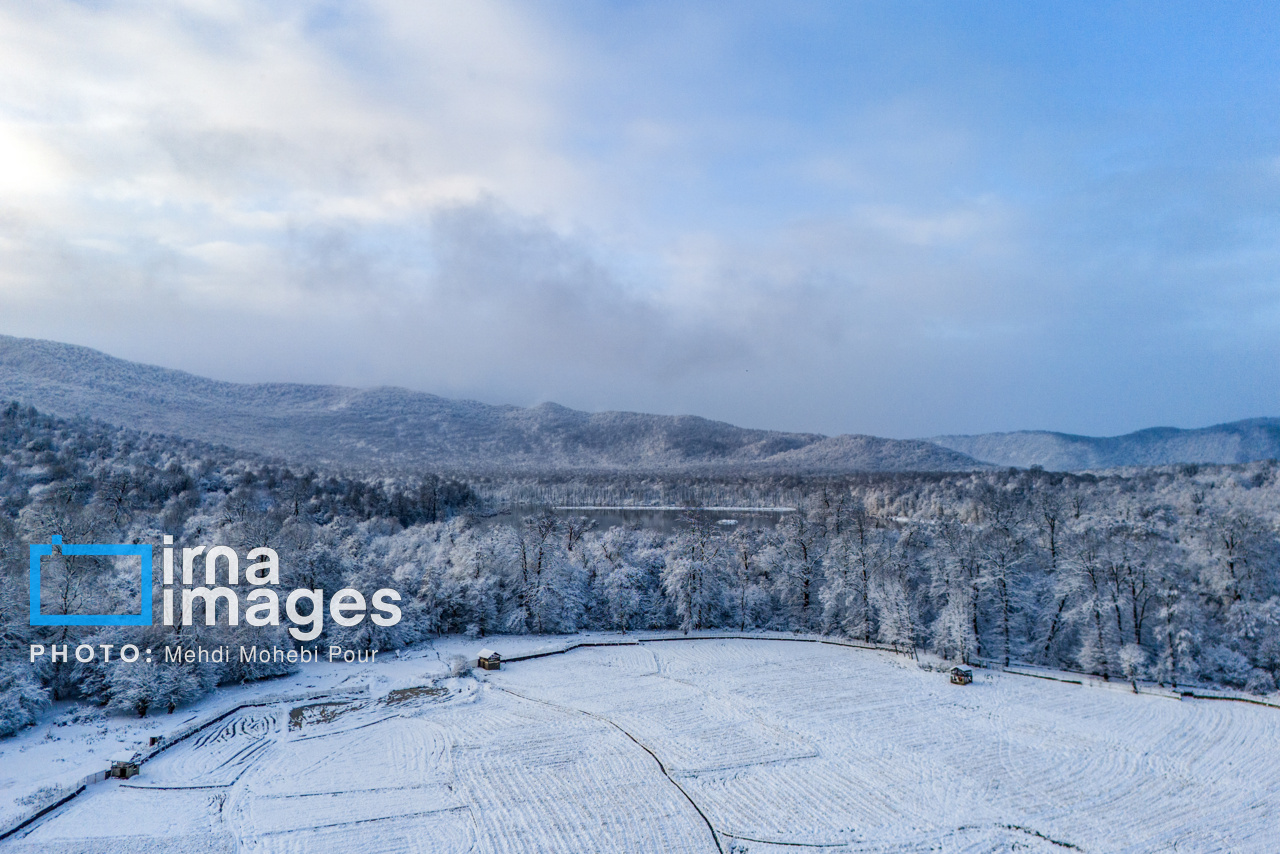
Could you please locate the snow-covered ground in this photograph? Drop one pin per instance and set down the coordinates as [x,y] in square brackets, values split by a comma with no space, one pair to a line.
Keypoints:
[777,746]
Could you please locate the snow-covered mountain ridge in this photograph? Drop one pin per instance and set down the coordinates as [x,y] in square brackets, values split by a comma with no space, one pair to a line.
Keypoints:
[1237,442]
[394,428]
[399,429]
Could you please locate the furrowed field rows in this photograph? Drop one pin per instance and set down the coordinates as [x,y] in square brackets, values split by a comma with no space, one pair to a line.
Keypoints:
[172,821]
[566,782]
[901,751]
[690,728]
[774,744]
[682,659]
[625,660]
[370,783]
[809,801]
[435,833]
[972,839]
[276,814]
[201,843]
[389,754]
[216,757]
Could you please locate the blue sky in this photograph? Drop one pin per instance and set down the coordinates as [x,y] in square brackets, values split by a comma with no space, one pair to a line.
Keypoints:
[893,218]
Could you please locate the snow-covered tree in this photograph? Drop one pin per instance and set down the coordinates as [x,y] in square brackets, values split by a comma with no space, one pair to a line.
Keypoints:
[22,698]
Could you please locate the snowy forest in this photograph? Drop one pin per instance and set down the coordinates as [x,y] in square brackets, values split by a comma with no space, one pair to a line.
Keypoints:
[1169,574]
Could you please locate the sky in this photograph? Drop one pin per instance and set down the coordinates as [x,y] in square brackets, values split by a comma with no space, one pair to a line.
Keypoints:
[897,218]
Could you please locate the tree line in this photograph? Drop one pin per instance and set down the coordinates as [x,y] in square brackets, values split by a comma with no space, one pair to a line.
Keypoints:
[1169,574]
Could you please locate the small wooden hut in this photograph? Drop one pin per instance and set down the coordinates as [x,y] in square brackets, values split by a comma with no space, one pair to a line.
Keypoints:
[123,769]
[961,675]
[489,660]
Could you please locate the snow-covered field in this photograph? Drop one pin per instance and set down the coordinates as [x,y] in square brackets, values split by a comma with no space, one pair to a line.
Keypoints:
[732,745]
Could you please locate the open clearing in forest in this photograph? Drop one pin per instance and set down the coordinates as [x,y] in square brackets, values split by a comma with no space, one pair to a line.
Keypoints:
[775,746]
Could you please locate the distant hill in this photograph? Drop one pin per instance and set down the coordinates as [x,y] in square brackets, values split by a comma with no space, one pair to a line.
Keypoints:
[394,429]
[1237,442]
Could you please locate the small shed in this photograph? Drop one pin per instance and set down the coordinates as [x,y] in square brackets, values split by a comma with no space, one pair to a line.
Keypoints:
[489,660]
[961,675]
[123,769]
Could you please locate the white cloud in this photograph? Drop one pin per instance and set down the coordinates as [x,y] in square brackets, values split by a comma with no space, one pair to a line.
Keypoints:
[231,109]
[476,198]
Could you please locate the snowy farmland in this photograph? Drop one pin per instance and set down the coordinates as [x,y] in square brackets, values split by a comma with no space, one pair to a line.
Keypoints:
[759,746]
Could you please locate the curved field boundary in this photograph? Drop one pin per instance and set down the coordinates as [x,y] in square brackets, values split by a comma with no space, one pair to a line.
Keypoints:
[715,834]
[46,808]
[165,743]
[1072,677]
[1254,700]
[900,650]
[1067,676]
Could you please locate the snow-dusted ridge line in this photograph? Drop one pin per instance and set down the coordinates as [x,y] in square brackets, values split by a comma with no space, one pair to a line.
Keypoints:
[167,741]
[394,430]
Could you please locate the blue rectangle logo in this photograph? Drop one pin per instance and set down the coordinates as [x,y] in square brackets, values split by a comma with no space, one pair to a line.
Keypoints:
[143,618]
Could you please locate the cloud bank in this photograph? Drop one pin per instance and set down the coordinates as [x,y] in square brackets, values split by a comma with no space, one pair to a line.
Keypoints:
[889,220]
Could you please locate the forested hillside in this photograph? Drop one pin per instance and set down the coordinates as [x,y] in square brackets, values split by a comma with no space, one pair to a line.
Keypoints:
[1237,442]
[395,430]
[1170,574]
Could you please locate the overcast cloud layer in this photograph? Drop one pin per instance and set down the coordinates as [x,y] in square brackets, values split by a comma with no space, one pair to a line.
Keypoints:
[892,218]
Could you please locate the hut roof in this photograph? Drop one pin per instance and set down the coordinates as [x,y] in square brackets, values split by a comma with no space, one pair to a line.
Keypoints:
[488,653]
